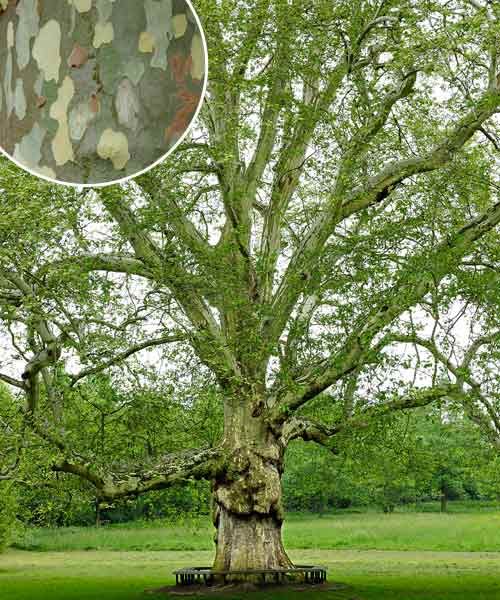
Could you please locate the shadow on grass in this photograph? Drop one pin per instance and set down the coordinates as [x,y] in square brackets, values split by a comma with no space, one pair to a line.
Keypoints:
[254,591]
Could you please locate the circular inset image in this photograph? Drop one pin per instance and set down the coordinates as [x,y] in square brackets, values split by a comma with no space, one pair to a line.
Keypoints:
[95,91]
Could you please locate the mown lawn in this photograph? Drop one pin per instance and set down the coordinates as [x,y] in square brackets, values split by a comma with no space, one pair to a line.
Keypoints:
[371,575]
[403,556]
[463,532]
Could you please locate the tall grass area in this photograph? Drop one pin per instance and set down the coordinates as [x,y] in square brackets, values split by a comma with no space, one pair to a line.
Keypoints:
[459,531]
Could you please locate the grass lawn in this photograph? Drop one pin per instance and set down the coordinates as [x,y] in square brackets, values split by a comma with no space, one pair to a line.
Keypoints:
[463,532]
[372,575]
[403,556]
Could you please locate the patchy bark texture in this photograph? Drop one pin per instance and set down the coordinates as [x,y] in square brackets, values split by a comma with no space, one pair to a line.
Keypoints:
[92,91]
[248,501]
[249,542]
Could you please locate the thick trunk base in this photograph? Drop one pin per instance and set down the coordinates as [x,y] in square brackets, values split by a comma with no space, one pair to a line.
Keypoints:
[247,498]
[249,542]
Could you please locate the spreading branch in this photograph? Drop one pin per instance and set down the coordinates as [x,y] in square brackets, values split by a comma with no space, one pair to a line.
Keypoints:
[309,430]
[411,287]
[173,469]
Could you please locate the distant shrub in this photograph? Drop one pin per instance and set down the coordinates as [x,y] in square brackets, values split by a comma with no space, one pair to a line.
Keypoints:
[342,502]
[7,514]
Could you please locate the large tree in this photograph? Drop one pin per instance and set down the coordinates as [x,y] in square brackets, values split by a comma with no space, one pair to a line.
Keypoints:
[341,176]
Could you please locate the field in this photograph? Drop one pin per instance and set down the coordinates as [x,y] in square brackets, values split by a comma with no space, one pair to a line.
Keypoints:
[454,532]
[421,556]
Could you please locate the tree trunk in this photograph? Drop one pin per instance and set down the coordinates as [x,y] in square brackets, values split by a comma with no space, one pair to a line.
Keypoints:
[248,512]
[444,503]
[97,513]
[249,541]
[93,92]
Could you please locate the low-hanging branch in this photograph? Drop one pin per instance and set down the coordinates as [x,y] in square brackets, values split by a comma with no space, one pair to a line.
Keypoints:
[309,430]
[172,469]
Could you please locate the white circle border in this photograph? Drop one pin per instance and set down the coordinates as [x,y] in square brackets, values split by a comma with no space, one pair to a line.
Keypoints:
[159,160]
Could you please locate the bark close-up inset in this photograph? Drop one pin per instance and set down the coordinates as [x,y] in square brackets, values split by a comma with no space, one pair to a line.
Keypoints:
[93,91]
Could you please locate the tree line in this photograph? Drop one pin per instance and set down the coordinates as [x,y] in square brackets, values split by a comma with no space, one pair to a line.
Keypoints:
[428,455]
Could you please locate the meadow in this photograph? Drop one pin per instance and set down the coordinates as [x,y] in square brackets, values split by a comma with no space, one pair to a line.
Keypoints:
[400,556]
[401,531]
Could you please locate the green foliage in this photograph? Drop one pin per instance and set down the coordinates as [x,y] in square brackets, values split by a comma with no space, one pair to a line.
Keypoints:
[406,459]
[8,514]
[121,429]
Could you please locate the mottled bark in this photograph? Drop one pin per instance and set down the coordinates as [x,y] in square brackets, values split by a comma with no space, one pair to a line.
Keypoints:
[93,91]
[249,542]
[248,511]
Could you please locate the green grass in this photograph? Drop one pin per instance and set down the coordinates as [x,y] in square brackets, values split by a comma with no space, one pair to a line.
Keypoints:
[193,535]
[464,532]
[371,575]
[403,556]
[399,531]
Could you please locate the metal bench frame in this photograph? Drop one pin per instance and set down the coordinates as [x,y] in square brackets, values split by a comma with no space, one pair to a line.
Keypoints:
[197,575]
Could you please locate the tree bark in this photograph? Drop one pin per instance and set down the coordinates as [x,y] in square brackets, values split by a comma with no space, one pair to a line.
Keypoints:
[249,542]
[97,513]
[248,511]
[95,92]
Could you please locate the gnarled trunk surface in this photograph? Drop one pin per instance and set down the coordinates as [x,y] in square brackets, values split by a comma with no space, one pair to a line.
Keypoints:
[249,542]
[248,511]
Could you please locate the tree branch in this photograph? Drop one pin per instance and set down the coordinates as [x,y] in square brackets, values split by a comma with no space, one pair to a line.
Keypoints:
[209,341]
[203,463]
[12,381]
[411,287]
[309,430]
[297,274]
[114,263]
[167,339]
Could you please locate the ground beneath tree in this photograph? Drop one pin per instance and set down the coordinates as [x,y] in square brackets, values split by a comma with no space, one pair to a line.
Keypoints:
[370,575]
[234,588]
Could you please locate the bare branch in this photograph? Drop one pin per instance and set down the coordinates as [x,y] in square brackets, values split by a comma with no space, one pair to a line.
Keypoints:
[12,381]
[119,358]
